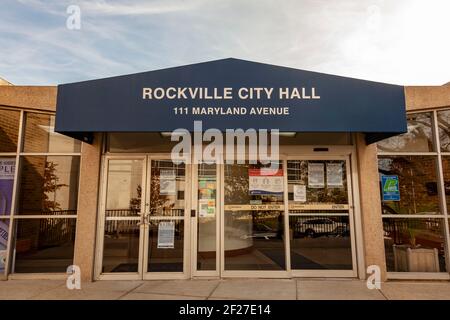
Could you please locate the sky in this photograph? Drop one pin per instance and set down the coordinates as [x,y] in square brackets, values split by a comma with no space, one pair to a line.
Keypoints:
[403,42]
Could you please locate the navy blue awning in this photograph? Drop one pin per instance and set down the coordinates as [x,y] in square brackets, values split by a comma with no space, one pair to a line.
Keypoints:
[218,94]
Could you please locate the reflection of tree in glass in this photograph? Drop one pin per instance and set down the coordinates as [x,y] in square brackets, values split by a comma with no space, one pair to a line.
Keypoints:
[236,184]
[413,172]
[50,186]
[419,129]
[444,129]
[135,203]
[236,190]
[159,203]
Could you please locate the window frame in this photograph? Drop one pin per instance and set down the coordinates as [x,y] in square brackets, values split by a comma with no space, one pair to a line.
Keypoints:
[13,214]
[437,155]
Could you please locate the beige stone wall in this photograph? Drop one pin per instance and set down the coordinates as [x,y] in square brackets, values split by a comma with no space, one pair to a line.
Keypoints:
[29,97]
[372,225]
[36,137]
[87,208]
[9,130]
[427,97]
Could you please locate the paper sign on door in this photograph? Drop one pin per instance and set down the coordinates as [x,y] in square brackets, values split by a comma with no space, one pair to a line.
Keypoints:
[167,182]
[300,193]
[265,181]
[334,175]
[166,235]
[316,175]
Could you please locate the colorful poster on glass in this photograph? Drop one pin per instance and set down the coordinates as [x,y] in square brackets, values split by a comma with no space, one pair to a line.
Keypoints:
[390,188]
[263,181]
[7,168]
[207,208]
[4,227]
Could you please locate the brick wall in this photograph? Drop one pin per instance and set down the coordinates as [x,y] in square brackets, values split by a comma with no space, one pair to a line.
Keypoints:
[36,132]
[9,130]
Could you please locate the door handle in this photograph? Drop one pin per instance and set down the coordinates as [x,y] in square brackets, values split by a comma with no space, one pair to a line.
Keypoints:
[193,213]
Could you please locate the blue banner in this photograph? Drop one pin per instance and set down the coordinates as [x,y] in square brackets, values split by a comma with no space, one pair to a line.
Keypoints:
[229,94]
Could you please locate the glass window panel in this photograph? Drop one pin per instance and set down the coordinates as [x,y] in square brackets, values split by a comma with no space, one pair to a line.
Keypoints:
[207,212]
[167,188]
[419,137]
[320,242]
[334,179]
[9,130]
[124,188]
[444,129]
[41,137]
[168,258]
[417,184]
[319,225]
[7,170]
[446,174]
[4,232]
[48,185]
[253,218]
[121,246]
[414,245]
[44,245]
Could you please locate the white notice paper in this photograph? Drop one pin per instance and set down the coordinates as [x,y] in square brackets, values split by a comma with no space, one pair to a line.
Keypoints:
[166,235]
[334,175]
[167,182]
[316,175]
[300,192]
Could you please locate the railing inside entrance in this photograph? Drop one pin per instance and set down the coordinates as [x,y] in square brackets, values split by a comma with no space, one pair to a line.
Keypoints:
[129,225]
[51,232]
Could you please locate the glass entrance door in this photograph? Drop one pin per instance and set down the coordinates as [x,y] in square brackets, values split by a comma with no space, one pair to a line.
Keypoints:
[206,223]
[239,225]
[121,224]
[249,221]
[164,219]
[253,218]
[143,227]
[294,221]
[320,215]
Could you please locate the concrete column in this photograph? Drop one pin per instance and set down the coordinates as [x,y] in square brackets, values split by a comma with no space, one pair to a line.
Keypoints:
[372,224]
[87,208]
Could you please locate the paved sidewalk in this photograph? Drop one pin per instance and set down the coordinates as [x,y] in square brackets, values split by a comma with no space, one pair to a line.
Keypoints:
[252,289]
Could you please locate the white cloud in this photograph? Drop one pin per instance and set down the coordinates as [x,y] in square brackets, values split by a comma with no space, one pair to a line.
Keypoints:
[115,8]
[400,41]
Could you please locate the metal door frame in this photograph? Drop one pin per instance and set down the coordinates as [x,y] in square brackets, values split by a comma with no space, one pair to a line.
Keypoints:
[187,230]
[194,223]
[346,153]
[190,223]
[143,233]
